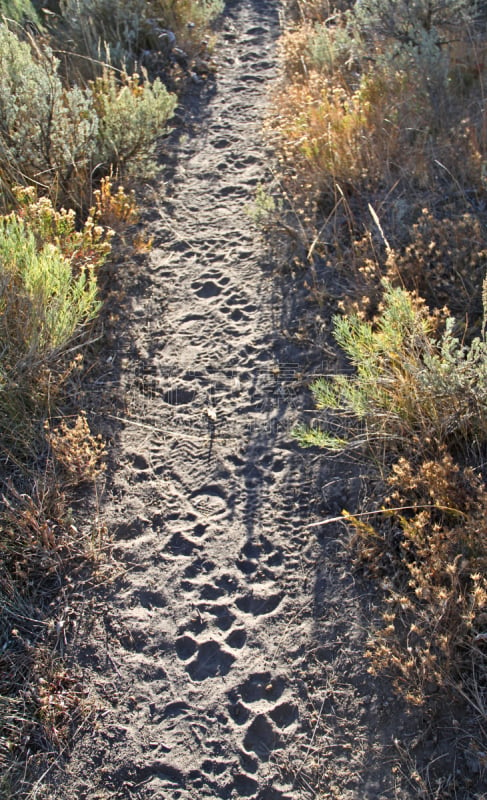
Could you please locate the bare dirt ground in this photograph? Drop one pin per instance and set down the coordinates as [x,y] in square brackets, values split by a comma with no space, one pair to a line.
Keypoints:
[227,660]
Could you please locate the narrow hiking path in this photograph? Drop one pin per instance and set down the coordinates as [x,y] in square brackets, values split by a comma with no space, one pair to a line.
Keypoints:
[205,661]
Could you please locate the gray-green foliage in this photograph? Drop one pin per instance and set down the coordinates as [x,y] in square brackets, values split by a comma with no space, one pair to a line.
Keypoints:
[408,21]
[334,46]
[131,117]
[19,10]
[414,35]
[53,136]
[47,132]
[43,302]
[410,388]
[392,34]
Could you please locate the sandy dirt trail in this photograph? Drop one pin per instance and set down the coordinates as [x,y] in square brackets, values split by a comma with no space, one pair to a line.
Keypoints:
[207,659]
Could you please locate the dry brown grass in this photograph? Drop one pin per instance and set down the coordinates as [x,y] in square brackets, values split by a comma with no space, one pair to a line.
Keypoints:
[381,140]
[431,560]
[43,556]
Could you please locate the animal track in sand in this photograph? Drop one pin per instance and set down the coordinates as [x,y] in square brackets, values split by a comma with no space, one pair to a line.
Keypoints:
[239,713]
[223,617]
[237,638]
[244,785]
[261,686]
[186,647]
[179,396]
[261,737]
[206,290]
[258,687]
[258,605]
[198,566]
[221,586]
[221,143]
[211,661]
[156,774]
[150,599]
[215,336]
[284,714]
[180,545]
[252,560]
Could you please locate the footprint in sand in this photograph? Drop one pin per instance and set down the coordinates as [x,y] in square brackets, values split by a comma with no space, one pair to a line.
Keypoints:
[210,284]
[236,639]
[210,501]
[261,686]
[222,616]
[244,785]
[266,730]
[181,545]
[186,647]
[219,739]
[179,396]
[199,566]
[261,737]
[211,660]
[260,556]
[206,290]
[258,605]
[284,714]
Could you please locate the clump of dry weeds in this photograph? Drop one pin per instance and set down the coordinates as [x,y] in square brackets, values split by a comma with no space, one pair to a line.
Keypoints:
[379,132]
[429,553]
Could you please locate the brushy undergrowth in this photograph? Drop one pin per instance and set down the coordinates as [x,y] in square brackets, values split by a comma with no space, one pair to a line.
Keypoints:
[48,297]
[379,131]
[55,138]
[162,34]
[48,294]
[415,406]
[131,117]
[413,389]
[80,118]
[48,133]
[436,605]
[382,104]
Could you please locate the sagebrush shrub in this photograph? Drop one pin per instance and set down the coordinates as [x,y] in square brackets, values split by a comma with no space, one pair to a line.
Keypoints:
[328,47]
[53,137]
[48,294]
[412,389]
[48,133]
[131,116]
[408,23]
